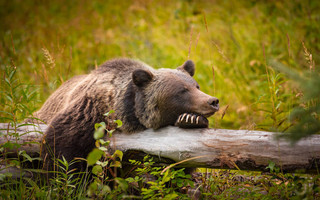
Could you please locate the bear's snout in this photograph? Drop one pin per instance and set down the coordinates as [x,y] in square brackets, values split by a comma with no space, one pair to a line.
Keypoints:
[214,102]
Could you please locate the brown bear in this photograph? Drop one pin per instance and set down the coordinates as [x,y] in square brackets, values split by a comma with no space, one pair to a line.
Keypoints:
[142,97]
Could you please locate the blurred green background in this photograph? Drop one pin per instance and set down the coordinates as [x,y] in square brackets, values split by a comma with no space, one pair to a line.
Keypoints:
[50,41]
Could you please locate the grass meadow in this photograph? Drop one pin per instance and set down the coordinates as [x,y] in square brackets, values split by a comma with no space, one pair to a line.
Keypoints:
[231,42]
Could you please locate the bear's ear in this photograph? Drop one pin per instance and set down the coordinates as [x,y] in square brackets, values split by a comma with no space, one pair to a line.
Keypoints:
[141,77]
[188,66]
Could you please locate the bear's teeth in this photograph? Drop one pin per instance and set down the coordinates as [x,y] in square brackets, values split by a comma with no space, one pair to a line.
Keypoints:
[192,119]
[183,116]
[187,118]
[197,120]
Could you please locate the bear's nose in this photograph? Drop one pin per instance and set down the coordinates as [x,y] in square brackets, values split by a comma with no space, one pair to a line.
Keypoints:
[213,102]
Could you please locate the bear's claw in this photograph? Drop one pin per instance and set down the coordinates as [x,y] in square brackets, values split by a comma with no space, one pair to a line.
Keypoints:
[196,121]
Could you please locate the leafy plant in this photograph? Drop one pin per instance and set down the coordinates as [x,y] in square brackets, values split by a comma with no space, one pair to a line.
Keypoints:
[65,182]
[17,101]
[227,36]
[105,164]
[305,117]
[154,184]
[274,103]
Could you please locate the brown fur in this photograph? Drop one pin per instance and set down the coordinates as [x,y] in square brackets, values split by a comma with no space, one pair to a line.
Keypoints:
[141,96]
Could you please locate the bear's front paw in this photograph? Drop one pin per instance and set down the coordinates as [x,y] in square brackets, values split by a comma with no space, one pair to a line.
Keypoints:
[187,120]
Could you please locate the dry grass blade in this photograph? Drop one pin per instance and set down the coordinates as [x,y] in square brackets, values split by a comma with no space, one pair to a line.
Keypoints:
[190,44]
[235,165]
[95,64]
[45,75]
[288,39]
[221,52]
[198,36]
[308,56]
[14,50]
[224,111]
[213,78]
[205,22]
[49,57]
[182,161]
[12,63]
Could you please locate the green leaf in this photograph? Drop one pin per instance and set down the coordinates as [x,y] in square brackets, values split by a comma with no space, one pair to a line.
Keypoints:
[271,166]
[94,156]
[108,113]
[115,164]
[118,154]
[171,196]
[25,155]
[6,113]
[4,176]
[110,133]
[9,98]
[10,145]
[98,125]
[97,169]
[106,189]
[12,74]
[104,143]
[118,122]
[8,82]
[103,149]
[92,188]
[264,110]
[103,124]
[122,183]
[102,164]
[165,177]
[98,134]
[130,180]
[278,106]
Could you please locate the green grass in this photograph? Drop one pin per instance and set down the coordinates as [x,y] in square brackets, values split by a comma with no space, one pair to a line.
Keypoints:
[230,36]
[50,41]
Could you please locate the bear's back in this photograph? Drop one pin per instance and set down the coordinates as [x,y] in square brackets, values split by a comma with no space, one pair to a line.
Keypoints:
[121,66]
[60,98]
[105,83]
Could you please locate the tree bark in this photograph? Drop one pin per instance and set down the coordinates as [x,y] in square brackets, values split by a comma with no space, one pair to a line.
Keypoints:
[209,148]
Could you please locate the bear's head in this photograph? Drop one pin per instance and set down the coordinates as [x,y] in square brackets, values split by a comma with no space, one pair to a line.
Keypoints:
[162,95]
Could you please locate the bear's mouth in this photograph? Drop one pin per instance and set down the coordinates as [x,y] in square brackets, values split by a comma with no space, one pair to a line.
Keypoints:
[210,113]
[191,120]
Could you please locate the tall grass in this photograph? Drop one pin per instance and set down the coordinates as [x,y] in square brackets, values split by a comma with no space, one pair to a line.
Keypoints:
[225,34]
[45,43]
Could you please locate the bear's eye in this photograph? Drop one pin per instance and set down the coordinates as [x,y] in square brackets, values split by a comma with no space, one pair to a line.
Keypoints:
[198,87]
[184,90]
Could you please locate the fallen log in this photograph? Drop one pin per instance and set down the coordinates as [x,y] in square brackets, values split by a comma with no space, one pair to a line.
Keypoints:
[209,148]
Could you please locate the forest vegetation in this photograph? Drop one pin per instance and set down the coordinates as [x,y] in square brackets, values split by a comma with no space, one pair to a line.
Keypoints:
[260,58]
